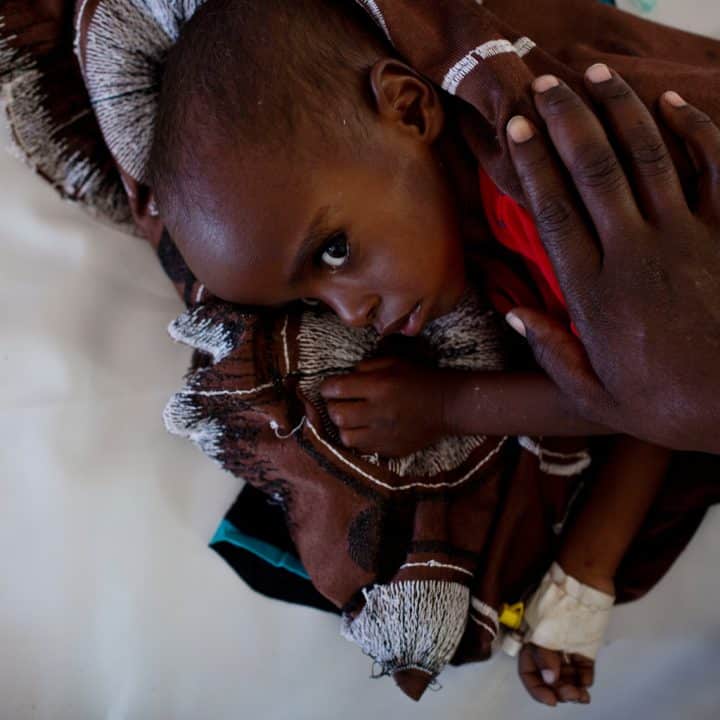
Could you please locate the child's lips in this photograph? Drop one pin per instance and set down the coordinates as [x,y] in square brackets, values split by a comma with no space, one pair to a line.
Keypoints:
[405,324]
[414,323]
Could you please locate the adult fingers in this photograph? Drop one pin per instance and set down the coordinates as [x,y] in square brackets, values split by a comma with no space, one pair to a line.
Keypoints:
[554,206]
[348,413]
[588,155]
[530,677]
[655,179]
[561,355]
[703,137]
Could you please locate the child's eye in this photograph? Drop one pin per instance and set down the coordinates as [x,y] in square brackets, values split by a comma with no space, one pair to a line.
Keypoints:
[336,251]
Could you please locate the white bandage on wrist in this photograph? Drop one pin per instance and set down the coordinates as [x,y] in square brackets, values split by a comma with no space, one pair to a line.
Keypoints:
[566,615]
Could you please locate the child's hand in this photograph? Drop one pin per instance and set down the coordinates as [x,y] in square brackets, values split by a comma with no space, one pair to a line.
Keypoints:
[551,676]
[388,406]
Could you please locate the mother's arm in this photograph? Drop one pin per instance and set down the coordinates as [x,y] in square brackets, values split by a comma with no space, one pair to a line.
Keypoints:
[640,269]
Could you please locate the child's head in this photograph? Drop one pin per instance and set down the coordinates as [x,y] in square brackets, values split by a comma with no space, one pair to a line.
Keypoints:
[295,157]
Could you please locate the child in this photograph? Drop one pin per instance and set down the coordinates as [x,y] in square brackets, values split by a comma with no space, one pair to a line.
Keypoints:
[308,162]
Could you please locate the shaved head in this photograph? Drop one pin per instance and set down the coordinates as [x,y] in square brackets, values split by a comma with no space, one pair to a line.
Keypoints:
[246,74]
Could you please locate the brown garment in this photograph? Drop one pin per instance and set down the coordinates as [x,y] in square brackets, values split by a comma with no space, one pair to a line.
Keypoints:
[420,562]
[569,36]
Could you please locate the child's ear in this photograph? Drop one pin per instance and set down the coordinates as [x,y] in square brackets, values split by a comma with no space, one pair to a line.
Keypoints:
[403,97]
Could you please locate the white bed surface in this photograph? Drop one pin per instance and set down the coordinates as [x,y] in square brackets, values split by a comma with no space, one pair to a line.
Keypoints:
[111,604]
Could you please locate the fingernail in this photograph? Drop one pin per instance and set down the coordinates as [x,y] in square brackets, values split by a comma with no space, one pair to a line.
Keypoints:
[544,83]
[518,326]
[674,99]
[548,676]
[598,73]
[520,129]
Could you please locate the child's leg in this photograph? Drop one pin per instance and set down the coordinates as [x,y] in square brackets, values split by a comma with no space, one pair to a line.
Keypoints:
[614,509]
[592,549]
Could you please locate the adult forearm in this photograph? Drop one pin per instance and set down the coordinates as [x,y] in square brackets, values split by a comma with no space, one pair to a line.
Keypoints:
[501,403]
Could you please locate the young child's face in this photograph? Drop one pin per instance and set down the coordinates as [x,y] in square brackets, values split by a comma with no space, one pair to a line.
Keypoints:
[371,233]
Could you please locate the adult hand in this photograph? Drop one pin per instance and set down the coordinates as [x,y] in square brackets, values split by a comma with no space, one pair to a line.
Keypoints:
[639,267]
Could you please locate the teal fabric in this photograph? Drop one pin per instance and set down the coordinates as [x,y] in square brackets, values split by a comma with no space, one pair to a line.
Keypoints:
[228,533]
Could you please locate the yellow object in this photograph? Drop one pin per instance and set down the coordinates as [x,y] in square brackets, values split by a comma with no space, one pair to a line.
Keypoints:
[512,615]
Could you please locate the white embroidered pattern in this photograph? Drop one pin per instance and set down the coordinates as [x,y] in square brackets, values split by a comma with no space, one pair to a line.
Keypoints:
[411,623]
[126,42]
[406,486]
[463,67]
[372,8]
[556,463]
[203,333]
[437,564]
[485,609]
[491,630]
[465,339]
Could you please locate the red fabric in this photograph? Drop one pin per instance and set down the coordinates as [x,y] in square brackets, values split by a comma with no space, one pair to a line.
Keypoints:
[513,227]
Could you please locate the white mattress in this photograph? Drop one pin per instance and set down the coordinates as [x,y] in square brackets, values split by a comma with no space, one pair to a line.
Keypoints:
[111,604]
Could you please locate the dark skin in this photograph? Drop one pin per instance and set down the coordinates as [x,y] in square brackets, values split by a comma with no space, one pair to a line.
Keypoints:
[592,550]
[382,219]
[390,238]
[379,233]
[642,280]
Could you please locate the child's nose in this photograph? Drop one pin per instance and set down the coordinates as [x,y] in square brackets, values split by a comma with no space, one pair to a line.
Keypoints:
[359,313]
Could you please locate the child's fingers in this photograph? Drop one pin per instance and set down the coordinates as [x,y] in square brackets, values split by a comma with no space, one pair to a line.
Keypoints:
[344,387]
[585,669]
[357,438]
[568,687]
[557,674]
[703,138]
[349,413]
[569,693]
[584,697]
[548,662]
[378,363]
[574,678]
[531,679]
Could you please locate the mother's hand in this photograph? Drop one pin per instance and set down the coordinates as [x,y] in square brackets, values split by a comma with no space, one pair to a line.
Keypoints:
[639,267]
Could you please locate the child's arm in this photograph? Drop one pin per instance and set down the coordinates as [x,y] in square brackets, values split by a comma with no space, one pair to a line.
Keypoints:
[591,551]
[504,403]
[394,407]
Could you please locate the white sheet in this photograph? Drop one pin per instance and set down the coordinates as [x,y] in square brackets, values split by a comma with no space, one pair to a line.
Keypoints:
[111,605]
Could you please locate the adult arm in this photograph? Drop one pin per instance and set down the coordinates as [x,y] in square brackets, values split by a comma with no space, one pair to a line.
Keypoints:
[639,267]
